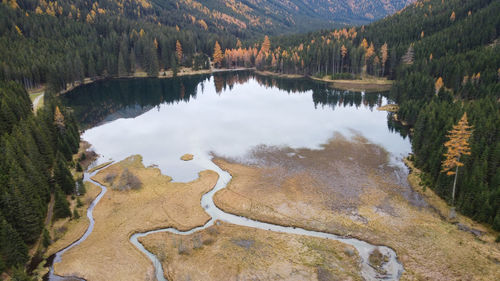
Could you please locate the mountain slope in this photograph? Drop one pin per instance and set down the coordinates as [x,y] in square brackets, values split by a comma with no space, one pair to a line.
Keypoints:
[239,17]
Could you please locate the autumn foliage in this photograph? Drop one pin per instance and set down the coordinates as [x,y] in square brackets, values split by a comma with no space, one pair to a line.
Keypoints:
[178,51]
[217,54]
[457,145]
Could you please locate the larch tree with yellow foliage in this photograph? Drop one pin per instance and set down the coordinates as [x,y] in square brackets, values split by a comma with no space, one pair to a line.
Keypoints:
[457,146]
[384,55]
[178,51]
[217,54]
[266,45]
[439,84]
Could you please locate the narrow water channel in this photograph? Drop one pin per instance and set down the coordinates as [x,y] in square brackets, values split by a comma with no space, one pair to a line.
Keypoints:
[393,268]
[87,177]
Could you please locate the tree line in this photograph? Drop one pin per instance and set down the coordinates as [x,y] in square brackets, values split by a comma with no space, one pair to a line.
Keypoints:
[35,151]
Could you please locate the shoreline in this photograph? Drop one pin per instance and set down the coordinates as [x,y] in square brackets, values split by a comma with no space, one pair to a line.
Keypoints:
[138,74]
[359,85]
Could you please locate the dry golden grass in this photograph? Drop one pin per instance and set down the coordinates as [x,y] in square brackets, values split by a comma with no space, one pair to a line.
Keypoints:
[366,84]
[187,157]
[107,254]
[282,75]
[389,108]
[230,252]
[344,189]
[75,228]
[93,169]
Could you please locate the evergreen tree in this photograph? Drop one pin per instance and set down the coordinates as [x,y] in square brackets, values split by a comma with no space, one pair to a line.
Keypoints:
[62,175]
[61,206]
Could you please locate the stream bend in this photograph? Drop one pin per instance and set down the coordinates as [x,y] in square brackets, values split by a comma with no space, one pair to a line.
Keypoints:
[392,268]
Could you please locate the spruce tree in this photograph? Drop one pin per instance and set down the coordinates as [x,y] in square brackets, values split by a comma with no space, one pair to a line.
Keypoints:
[62,175]
[61,205]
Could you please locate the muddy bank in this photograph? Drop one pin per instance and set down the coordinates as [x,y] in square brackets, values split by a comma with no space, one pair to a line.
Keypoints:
[352,188]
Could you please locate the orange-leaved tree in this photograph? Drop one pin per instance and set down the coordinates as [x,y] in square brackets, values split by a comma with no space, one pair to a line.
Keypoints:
[217,54]
[178,51]
[457,145]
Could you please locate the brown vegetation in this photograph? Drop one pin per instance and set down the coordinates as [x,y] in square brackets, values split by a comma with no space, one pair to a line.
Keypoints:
[349,188]
[229,252]
[107,254]
[187,157]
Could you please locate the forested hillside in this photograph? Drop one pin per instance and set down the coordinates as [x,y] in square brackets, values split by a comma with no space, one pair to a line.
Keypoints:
[445,59]
[34,156]
[39,39]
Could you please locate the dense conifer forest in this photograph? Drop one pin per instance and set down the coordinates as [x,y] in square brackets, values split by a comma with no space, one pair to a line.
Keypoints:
[35,152]
[444,57]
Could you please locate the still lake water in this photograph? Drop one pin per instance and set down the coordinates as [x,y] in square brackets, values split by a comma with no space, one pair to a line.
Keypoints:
[225,113]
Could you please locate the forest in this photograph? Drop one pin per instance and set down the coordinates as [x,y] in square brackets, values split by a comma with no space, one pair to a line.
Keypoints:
[444,58]
[35,153]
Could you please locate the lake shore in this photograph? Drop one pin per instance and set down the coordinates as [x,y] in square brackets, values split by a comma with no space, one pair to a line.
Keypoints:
[367,84]
[373,204]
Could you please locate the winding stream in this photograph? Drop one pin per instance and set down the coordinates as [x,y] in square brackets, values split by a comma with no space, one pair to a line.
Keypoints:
[58,256]
[392,268]
[137,115]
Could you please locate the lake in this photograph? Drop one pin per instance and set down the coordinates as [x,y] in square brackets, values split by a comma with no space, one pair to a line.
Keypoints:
[226,114]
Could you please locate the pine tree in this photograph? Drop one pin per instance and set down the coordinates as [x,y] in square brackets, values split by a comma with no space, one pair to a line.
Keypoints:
[457,146]
[13,251]
[122,68]
[63,176]
[61,205]
[151,58]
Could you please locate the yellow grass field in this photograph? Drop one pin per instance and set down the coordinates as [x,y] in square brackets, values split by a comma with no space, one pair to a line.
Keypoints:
[107,254]
[229,252]
[348,188]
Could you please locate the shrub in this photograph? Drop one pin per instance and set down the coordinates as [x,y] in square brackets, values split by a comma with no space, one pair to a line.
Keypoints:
[182,249]
[128,181]
[78,202]
[76,215]
[46,241]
